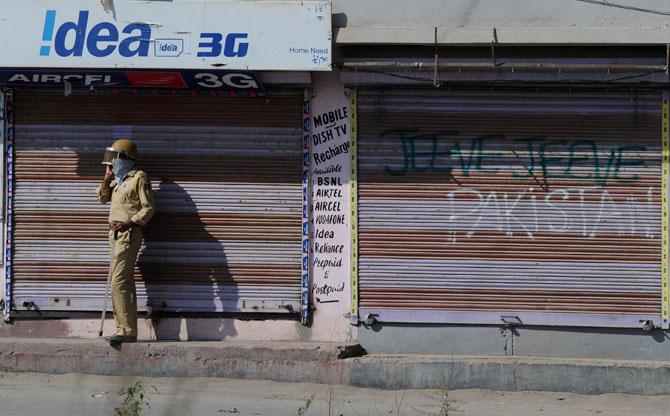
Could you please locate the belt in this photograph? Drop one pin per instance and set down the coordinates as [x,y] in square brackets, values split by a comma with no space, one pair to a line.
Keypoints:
[116,233]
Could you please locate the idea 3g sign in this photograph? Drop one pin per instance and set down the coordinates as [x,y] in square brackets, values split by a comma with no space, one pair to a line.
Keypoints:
[203,35]
[79,38]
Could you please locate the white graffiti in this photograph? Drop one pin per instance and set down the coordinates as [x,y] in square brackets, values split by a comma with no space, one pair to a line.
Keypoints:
[587,212]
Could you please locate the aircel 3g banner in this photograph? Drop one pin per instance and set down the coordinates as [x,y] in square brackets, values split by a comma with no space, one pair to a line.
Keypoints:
[183,79]
[186,34]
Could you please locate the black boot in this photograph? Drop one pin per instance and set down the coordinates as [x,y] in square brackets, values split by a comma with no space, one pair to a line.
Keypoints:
[120,339]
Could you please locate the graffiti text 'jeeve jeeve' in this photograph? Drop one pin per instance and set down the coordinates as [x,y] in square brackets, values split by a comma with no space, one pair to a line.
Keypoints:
[529,157]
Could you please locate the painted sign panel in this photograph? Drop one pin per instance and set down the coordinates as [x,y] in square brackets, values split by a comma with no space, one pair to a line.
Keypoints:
[331,239]
[175,79]
[231,35]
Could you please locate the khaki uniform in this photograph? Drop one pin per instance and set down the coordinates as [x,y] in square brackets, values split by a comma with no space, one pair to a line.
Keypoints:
[131,200]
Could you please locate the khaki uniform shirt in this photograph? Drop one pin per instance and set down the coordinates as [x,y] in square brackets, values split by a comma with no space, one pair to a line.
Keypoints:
[132,199]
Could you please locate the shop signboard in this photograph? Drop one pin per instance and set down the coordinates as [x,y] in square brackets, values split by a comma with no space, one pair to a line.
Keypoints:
[198,80]
[184,34]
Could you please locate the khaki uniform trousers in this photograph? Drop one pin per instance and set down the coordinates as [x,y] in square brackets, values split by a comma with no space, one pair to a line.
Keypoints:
[123,251]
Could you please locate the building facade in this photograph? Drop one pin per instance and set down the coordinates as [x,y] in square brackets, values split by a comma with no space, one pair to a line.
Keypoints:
[461,177]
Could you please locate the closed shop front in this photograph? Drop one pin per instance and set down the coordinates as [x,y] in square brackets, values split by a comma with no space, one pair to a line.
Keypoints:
[533,206]
[227,180]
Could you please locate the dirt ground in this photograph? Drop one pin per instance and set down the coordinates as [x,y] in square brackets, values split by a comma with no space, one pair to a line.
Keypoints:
[31,394]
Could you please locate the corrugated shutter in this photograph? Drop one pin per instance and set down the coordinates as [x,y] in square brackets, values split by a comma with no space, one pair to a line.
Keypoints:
[537,205]
[226,173]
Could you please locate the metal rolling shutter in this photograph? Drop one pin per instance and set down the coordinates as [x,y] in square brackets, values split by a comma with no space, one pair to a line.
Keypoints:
[533,206]
[226,173]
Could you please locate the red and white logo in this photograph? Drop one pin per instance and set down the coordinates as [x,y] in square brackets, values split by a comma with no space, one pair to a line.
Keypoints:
[154,79]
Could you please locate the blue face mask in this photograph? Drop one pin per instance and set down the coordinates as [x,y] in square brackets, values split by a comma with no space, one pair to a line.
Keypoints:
[121,167]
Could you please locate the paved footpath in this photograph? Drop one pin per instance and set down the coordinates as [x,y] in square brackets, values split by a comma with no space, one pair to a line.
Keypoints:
[33,394]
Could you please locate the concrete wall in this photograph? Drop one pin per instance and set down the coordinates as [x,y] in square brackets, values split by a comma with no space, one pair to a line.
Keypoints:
[176,329]
[515,21]
[521,341]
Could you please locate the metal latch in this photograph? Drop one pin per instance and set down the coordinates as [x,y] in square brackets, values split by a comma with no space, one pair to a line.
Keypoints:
[648,325]
[511,320]
[370,319]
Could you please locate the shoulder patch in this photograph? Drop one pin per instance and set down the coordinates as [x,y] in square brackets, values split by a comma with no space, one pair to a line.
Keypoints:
[147,184]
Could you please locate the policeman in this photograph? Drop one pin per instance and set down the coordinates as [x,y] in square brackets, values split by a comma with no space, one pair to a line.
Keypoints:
[132,205]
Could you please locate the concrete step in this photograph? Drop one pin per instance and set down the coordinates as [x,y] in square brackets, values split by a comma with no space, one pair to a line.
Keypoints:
[332,363]
[278,361]
[512,373]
